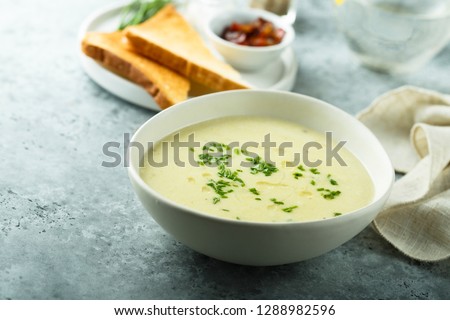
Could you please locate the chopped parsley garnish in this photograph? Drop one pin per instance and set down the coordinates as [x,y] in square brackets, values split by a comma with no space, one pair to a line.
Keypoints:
[226,210]
[215,146]
[276,201]
[333,182]
[209,159]
[313,182]
[297,175]
[237,151]
[243,151]
[289,209]
[314,171]
[260,165]
[237,218]
[329,194]
[300,167]
[219,188]
[191,149]
[259,199]
[254,191]
[337,214]
[224,172]
[206,158]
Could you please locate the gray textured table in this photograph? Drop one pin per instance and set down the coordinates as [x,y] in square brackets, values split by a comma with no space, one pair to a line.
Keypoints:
[71,229]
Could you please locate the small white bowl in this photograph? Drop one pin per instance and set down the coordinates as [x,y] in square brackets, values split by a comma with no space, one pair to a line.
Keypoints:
[258,243]
[247,58]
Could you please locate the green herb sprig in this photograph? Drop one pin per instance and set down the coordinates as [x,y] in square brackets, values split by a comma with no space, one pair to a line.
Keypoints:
[138,11]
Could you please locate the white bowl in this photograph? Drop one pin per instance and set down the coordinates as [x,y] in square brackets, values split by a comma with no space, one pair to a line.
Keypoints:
[247,58]
[256,243]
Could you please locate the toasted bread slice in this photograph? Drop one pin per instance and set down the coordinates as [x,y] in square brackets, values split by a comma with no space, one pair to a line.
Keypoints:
[170,40]
[111,50]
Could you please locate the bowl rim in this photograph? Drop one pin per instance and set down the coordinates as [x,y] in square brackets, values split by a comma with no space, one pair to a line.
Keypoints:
[253,13]
[135,177]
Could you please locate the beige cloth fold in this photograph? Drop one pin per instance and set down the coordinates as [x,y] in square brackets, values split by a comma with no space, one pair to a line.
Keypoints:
[413,125]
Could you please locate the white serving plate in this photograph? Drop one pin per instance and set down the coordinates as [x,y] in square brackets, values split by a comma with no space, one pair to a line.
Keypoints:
[280,75]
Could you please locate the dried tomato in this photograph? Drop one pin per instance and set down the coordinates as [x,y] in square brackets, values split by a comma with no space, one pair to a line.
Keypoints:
[257,33]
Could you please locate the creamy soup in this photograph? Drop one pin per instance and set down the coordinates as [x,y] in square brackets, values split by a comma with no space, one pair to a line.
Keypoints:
[231,173]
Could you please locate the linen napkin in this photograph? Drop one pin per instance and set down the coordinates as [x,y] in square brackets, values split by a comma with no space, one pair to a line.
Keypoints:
[413,125]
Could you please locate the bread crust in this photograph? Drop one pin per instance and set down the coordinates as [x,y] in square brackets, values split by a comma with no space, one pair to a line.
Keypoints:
[168,39]
[165,86]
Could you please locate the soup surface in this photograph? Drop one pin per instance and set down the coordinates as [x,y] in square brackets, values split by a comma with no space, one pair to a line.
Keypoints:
[227,170]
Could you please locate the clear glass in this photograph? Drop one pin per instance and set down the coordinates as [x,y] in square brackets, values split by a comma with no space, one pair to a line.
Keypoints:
[284,8]
[394,36]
